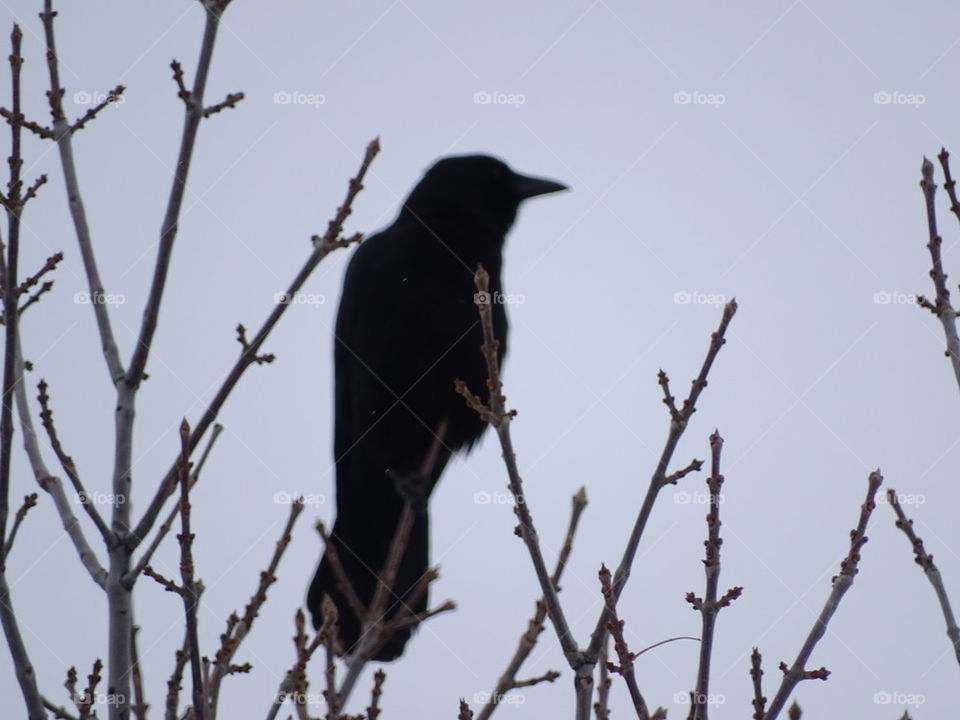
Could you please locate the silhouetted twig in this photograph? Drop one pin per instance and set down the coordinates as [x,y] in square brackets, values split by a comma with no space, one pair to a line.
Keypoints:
[508,680]
[793,674]
[925,561]
[709,605]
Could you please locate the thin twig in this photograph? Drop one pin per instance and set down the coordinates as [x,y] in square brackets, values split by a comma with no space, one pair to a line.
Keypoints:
[132,576]
[373,709]
[181,658]
[64,137]
[66,462]
[322,246]
[709,605]
[941,307]
[499,417]
[139,706]
[625,667]
[29,501]
[528,639]
[796,672]
[660,478]
[238,627]
[189,592]
[13,202]
[756,676]
[925,561]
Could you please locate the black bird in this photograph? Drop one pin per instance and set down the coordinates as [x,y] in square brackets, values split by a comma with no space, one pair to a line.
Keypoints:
[407,327]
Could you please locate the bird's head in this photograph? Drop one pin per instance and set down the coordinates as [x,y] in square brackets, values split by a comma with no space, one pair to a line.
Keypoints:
[481,187]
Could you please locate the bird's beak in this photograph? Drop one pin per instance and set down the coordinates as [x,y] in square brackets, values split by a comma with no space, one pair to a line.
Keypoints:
[525,186]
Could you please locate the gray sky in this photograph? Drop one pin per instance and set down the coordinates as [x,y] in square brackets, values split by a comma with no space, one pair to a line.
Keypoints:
[768,151]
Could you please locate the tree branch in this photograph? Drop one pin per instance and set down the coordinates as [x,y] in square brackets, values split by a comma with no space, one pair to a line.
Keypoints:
[528,640]
[925,561]
[709,605]
[793,674]
[322,246]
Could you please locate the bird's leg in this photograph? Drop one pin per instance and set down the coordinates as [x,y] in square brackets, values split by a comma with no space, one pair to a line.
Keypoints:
[415,487]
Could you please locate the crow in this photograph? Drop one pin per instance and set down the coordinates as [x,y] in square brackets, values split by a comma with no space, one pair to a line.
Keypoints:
[406,328]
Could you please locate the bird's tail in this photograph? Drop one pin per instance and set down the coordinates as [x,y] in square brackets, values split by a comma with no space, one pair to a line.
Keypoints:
[363,556]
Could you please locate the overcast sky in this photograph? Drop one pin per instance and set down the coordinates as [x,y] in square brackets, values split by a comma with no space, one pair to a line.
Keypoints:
[765,150]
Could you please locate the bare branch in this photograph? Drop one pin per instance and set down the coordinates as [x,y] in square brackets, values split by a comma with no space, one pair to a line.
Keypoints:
[499,417]
[295,681]
[625,668]
[189,591]
[373,710]
[229,102]
[46,419]
[321,248]
[793,674]
[64,137]
[29,501]
[756,675]
[528,639]
[678,424]
[925,561]
[173,684]
[19,120]
[343,582]
[139,706]
[941,307]
[132,576]
[237,627]
[709,605]
[90,114]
